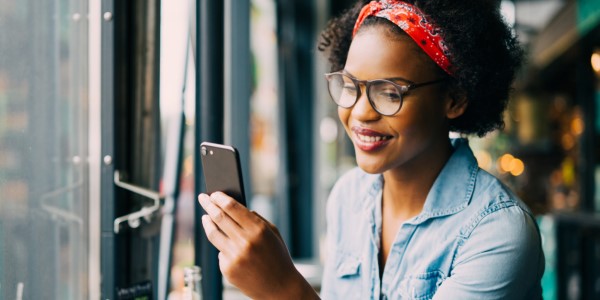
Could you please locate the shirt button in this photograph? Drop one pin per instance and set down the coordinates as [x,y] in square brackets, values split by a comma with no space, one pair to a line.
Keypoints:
[383,297]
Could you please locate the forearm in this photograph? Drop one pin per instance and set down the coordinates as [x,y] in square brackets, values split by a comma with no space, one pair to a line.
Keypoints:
[296,288]
[306,291]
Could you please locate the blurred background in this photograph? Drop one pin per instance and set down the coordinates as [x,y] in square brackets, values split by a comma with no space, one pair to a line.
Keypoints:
[103,105]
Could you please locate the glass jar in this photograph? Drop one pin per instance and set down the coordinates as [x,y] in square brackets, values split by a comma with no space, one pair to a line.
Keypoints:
[192,278]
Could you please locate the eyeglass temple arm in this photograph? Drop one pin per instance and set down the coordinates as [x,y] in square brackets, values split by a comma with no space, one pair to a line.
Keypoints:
[417,85]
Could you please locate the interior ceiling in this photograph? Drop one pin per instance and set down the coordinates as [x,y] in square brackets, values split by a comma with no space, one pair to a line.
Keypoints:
[531,16]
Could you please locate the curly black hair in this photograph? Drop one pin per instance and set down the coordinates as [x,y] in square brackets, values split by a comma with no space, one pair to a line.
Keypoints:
[485,54]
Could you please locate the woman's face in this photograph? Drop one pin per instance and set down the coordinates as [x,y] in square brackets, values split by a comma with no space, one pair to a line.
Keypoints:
[411,137]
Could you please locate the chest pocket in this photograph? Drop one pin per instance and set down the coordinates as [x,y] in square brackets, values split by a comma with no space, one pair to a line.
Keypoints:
[348,279]
[421,286]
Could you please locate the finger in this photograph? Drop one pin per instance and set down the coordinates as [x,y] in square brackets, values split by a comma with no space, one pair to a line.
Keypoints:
[214,235]
[223,261]
[262,218]
[234,209]
[271,225]
[219,217]
[226,266]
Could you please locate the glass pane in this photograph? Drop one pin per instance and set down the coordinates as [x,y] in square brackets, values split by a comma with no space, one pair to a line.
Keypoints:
[43,149]
[177,95]
[264,118]
[537,154]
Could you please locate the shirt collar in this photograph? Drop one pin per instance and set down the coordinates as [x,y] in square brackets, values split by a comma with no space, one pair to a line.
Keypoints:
[452,190]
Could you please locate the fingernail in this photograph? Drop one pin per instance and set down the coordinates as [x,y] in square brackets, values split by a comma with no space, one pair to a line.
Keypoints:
[216,196]
[202,197]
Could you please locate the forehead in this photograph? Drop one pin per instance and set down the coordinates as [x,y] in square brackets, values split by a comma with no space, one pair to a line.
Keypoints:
[375,54]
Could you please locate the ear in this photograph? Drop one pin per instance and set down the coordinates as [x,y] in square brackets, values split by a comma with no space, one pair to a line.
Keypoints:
[456,102]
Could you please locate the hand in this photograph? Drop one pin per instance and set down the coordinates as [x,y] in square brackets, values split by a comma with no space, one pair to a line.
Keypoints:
[252,254]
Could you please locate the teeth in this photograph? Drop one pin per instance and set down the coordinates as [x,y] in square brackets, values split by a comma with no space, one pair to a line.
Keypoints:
[370,139]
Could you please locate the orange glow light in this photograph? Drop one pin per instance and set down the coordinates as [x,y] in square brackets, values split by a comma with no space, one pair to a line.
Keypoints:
[505,162]
[596,61]
[577,126]
[517,167]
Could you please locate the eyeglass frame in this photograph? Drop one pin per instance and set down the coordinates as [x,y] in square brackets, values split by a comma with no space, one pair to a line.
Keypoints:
[403,89]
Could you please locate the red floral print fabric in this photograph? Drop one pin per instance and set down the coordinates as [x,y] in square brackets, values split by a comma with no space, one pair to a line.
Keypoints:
[412,21]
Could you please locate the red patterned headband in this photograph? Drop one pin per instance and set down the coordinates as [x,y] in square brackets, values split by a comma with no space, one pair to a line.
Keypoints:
[410,19]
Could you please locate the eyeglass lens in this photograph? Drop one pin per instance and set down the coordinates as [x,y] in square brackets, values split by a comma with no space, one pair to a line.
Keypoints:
[383,95]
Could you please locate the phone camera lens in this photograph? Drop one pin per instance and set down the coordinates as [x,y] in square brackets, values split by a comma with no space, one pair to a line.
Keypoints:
[203,151]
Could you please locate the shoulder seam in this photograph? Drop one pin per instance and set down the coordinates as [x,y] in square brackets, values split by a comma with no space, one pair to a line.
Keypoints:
[466,233]
[484,212]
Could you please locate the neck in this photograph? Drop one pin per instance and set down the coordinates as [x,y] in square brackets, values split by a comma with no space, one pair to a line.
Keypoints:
[405,188]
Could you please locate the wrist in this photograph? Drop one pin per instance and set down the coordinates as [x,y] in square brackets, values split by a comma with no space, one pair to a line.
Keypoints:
[305,290]
[296,287]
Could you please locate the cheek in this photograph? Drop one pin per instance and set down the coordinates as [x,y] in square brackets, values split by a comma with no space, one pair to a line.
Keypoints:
[410,117]
[418,118]
[344,115]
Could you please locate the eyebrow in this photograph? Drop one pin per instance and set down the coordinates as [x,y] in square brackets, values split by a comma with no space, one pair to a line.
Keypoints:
[389,78]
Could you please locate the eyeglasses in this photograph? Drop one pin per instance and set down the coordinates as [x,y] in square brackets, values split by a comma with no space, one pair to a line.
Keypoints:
[384,95]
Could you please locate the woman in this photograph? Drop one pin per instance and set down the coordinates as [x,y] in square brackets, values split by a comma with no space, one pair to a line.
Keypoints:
[417,219]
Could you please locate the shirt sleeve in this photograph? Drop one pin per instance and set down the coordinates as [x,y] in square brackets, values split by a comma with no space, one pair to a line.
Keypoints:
[501,258]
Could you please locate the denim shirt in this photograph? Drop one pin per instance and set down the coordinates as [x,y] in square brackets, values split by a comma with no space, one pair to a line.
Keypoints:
[474,239]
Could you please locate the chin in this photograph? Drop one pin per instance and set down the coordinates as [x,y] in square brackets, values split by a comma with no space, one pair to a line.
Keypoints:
[370,165]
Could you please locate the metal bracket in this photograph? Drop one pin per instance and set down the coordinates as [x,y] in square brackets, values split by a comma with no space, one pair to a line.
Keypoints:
[58,212]
[146,212]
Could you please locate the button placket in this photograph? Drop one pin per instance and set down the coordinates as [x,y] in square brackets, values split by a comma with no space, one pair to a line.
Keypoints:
[394,261]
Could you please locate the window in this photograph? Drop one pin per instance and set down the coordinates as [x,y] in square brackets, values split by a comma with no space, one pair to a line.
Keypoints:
[44,175]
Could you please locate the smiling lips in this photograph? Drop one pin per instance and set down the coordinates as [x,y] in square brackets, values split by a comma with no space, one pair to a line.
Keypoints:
[369,140]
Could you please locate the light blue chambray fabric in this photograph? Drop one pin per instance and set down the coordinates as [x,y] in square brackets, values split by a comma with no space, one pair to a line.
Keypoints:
[474,239]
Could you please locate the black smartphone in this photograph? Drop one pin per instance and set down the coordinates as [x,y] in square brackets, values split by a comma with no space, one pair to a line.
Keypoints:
[222,170]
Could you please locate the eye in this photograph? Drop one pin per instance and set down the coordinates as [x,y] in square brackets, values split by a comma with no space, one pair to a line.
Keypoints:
[349,88]
[389,95]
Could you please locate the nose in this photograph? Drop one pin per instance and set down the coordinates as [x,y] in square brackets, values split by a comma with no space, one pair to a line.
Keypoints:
[363,110]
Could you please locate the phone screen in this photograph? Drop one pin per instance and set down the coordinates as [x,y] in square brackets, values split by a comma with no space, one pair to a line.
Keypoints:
[222,171]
